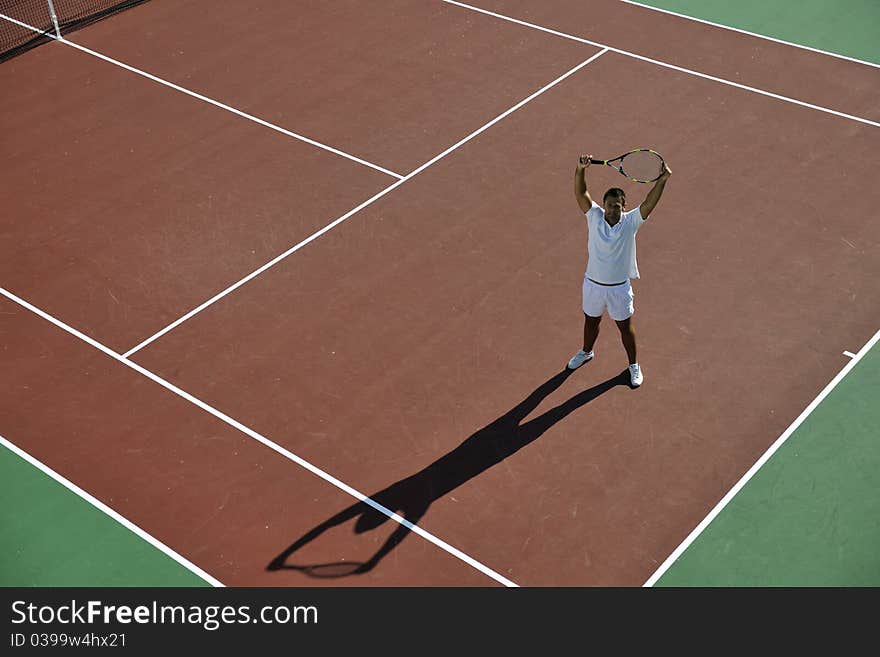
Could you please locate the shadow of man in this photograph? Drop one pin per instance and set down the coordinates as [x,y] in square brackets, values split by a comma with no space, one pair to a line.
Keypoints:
[411,497]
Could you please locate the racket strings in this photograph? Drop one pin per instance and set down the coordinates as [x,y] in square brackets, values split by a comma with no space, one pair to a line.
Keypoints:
[642,165]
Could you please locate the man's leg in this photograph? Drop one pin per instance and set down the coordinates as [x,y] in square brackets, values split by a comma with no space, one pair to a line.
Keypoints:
[623,305]
[591,331]
[628,336]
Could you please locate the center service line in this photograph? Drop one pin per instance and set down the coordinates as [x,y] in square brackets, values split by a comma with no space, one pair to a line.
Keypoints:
[348,214]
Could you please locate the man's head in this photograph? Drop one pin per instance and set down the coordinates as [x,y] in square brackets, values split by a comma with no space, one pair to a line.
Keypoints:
[615,203]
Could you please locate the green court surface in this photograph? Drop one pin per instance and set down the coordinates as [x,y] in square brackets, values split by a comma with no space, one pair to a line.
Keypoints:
[52,537]
[844,27]
[809,517]
[811,514]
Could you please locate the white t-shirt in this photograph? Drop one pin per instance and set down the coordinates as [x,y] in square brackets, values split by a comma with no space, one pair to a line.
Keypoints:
[611,250]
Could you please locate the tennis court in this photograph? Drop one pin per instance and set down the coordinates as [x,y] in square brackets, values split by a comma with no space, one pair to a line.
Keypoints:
[289,303]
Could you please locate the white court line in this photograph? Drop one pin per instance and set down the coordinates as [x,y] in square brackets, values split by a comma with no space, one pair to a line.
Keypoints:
[759,463]
[29,27]
[348,214]
[210,101]
[753,34]
[98,504]
[262,439]
[849,353]
[665,65]
[260,270]
[290,455]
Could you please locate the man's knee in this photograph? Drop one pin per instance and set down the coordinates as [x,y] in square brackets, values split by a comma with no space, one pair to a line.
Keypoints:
[625,325]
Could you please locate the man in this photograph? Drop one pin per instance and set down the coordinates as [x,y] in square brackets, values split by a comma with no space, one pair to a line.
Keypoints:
[611,263]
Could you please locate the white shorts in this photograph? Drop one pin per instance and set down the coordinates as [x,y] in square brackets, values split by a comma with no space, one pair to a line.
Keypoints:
[617,298]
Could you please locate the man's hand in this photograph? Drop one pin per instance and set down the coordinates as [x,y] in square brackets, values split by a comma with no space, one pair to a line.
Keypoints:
[666,172]
[585,201]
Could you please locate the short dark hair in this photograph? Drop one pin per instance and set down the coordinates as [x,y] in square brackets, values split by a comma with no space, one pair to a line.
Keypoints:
[615,191]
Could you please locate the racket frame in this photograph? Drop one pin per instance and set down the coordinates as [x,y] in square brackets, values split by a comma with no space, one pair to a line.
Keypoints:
[620,159]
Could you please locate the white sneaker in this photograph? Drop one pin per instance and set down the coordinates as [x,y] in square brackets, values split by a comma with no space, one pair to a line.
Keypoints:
[579,359]
[635,375]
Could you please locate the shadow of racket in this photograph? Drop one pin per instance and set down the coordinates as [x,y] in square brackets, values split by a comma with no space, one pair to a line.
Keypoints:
[411,498]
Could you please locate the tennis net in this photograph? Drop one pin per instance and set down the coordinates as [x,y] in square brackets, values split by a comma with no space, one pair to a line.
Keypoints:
[28,23]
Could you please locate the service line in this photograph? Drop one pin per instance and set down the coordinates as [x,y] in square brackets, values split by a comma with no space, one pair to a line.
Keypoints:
[261,439]
[350,213]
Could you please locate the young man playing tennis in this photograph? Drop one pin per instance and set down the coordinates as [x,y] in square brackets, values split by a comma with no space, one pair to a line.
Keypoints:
[611,263]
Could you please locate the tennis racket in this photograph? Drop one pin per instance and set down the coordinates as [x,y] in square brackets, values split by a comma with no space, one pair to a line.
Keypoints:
[641,165]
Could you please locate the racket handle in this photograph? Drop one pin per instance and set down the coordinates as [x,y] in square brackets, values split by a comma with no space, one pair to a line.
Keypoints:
[592,161]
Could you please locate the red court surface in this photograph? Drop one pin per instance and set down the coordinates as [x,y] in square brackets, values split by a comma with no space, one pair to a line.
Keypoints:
[415,351]
[128,203]
[807,76]
[443,305]
[206,490]
[382,81]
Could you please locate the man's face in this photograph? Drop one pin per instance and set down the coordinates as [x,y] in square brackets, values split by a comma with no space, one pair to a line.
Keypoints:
[614,206]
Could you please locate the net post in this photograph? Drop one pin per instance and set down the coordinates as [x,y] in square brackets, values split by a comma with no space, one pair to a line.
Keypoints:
[54,18]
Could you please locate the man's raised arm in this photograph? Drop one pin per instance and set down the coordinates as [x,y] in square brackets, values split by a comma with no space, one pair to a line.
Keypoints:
[655,193]
[585,201]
